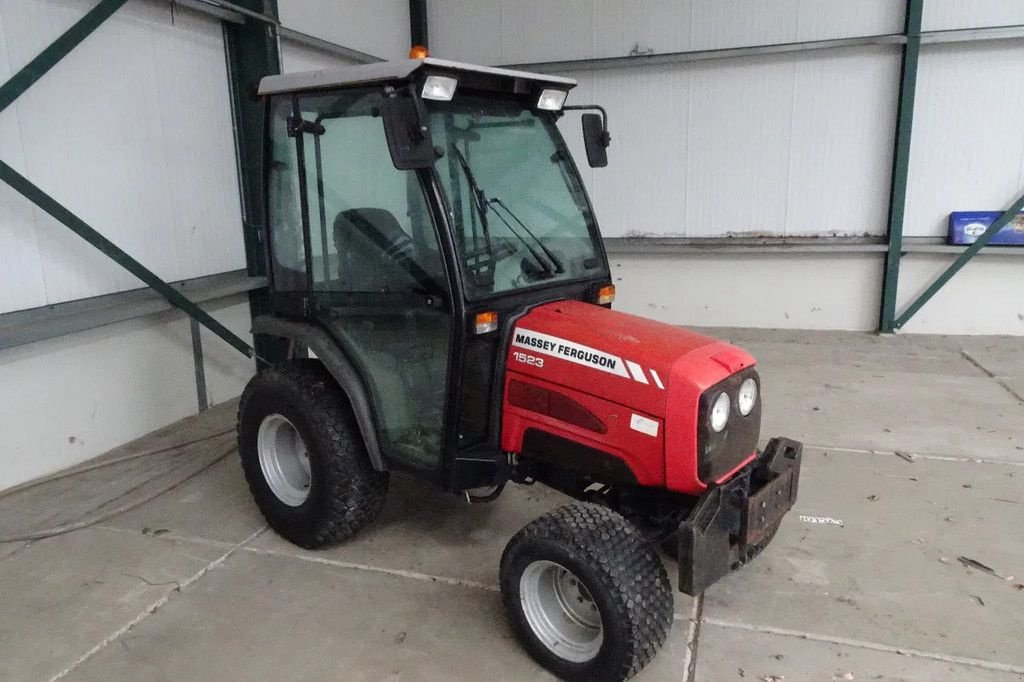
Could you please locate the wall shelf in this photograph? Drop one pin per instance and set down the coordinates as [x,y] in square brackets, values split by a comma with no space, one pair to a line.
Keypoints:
[47,322]
[658,246]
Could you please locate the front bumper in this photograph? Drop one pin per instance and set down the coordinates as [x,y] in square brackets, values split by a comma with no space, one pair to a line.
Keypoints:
[732,522]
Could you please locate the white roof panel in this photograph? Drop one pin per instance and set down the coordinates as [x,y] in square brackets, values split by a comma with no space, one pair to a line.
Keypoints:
[384,71]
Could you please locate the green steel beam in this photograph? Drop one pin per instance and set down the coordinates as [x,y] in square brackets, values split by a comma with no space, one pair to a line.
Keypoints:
[57,50]
[901,164]
[418,34]
[252,53]
[960,262]
[24,186]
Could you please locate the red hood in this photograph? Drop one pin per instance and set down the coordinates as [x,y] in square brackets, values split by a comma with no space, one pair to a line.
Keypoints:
[620,357]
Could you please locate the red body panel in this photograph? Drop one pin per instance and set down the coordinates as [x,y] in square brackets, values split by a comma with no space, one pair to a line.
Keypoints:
[642,453]
[642,378]
[691,375]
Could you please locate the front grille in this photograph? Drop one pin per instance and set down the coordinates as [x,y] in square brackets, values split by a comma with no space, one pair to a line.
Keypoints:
[719,453]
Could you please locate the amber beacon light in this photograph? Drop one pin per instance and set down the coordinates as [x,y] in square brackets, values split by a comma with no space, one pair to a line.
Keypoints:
[418,52]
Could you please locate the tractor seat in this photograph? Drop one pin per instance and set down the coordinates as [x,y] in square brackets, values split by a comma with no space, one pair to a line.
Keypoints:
[368,241]
[375,253]
[381,234]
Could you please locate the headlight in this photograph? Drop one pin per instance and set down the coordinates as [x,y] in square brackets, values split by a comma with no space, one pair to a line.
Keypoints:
[747,396]
[720,412]
[441,88]
[551,100]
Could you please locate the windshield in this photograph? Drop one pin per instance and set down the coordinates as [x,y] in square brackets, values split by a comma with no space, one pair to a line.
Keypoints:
[518,208]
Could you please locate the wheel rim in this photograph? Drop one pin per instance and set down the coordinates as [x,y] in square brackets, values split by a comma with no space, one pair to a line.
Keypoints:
[284,460]
[561,611]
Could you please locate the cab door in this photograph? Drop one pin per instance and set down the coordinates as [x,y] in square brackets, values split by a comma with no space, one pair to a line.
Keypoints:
[368,264]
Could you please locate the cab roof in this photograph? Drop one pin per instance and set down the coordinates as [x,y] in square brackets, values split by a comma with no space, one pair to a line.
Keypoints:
[404,69]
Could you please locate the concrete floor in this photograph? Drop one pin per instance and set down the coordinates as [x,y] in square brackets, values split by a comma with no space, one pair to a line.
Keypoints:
[191,585]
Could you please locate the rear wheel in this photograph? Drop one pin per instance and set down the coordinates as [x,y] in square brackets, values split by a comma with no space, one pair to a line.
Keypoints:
[304,457]
[587,597]
[284,459]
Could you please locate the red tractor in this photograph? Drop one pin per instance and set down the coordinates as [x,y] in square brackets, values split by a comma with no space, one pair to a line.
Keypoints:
[437,271]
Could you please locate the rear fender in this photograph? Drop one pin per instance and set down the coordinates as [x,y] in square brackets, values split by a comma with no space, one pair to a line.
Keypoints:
[339,366]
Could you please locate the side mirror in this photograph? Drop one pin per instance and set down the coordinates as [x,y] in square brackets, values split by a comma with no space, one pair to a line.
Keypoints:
[407,131]
[596,140]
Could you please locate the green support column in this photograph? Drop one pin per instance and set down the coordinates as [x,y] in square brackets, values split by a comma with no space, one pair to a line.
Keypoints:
[252,53]
[901,164]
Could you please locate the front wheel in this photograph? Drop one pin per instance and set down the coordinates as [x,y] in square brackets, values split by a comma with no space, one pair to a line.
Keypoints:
[587,597]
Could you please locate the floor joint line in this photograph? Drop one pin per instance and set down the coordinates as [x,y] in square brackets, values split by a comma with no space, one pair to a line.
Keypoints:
[874,646]
[915,455]
[970,358]
[154,607]
[396,572]
[693,639]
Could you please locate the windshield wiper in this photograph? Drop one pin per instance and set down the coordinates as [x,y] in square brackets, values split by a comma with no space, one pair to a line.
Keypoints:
[496,201]
[478,199]
[482,205]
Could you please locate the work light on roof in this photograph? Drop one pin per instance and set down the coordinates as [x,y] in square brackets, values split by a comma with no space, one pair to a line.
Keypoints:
[441,88]
[551,100]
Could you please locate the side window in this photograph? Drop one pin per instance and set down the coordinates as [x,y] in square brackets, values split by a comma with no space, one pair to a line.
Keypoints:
[369,224]
[288,254]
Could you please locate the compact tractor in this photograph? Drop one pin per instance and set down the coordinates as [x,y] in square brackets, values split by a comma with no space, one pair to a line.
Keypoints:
[436,268]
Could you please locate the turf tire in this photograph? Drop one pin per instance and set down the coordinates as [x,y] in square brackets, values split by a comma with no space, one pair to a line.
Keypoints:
[624,576]
[345,492]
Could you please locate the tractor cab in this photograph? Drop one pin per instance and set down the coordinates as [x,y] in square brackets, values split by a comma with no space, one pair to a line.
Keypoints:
[415,210]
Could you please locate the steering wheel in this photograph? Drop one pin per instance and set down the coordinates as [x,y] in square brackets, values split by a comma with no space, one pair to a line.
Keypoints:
[482,263]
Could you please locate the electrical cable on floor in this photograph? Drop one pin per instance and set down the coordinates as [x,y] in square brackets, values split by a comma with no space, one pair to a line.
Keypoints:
[74,471]
[67,528]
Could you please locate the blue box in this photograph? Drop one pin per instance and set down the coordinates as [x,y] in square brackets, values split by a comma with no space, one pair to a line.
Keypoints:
[966,226]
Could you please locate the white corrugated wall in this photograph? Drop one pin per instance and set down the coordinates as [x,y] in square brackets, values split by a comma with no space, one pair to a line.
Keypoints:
[379,29]
[786,145]
[797,144]
[376,27]
[132,131]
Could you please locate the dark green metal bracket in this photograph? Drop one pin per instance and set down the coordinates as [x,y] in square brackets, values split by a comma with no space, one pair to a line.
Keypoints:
[57,50]
[960,262]
[252,53]
[901,163]
[23,186]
